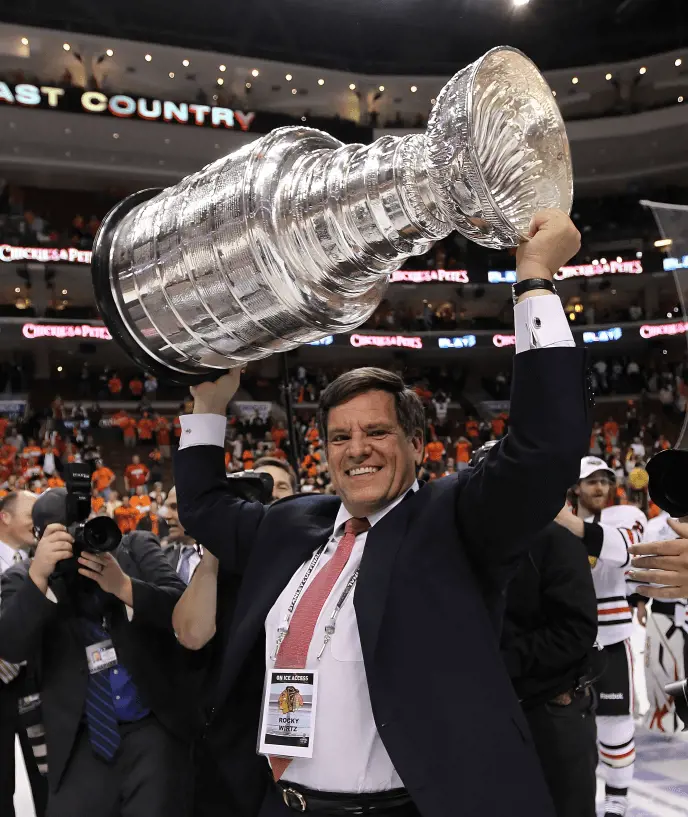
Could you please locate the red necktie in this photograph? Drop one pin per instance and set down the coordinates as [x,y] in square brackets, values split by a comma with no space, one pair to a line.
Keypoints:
[293,651]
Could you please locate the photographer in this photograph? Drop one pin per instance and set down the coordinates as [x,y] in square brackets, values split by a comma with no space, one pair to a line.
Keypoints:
[97,626]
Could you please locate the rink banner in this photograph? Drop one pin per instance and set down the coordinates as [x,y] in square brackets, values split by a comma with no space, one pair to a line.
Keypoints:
[197,113]
[44,255]
[61,331]
[248,409]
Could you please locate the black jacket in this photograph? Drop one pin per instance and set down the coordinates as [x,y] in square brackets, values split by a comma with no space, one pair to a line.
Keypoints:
[428,600]
[550,622]
[48,636]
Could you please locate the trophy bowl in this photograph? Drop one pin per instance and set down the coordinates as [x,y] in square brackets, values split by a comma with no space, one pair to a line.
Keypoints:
[294,236]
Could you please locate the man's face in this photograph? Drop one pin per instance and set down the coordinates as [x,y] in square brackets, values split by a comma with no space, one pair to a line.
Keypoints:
[281,482]
[594,491]
[136,459]
[177,533]
[371,459]
[18,523]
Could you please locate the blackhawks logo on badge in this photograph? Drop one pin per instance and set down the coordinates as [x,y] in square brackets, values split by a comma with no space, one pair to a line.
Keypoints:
[592,560]
[290,700]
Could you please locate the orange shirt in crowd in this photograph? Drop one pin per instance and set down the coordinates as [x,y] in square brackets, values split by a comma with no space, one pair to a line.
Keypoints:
[463,451]
[228,460]
[434,451]
[3,493]
[4,422]
[248,459]
[313,435]
[102,478]
[97,503]
[136,387]
[310,464]
[128,427]
[141,503]
[279,453]
[472,428]
[136,474]
[652,510]
[126,518]
[162,431]
[498,426]
[279,435]
[55,482]
[155,455]
[115,385]
[7,453]
[611,428]
[31,452]
[146,427]
[177,427]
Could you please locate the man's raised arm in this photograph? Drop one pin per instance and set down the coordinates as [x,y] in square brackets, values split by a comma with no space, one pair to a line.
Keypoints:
[208,509]
[521,485]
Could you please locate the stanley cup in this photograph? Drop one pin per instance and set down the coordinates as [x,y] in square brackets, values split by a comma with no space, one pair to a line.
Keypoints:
[294,236]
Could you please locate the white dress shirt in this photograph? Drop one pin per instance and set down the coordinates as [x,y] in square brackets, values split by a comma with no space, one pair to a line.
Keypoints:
[349,755]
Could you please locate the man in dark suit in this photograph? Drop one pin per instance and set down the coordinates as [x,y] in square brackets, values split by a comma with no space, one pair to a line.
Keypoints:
[118,717]
[16,538]
[391,592]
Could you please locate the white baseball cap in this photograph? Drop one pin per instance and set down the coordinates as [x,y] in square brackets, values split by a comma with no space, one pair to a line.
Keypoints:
[589,465]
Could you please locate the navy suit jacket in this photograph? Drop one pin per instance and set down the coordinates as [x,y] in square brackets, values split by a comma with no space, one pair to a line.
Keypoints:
[428,601]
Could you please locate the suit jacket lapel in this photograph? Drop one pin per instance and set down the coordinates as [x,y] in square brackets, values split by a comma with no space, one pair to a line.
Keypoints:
[262,586]
[381,549]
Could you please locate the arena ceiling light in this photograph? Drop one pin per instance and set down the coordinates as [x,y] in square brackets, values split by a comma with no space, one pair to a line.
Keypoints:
[255,72]
[223,68]
[321,81]
[66,46]
[381,88]
[171,75]
[110,52]
[352,87]
[663,242]
[220,81]
[519,3]
[288,77]
[148,58]
[608,77]
[185,63]
[643,70]
[414,88]
[678,62]
[574,80]
[24,41]
[294,91]
[680,99]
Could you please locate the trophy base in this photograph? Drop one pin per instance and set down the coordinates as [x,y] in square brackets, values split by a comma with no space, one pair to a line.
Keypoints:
[105,300]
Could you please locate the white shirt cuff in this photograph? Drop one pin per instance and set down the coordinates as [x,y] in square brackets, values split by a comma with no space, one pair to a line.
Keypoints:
[202,429]
[540,323]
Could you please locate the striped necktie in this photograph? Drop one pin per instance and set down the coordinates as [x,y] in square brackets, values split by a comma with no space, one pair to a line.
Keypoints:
[293,651]
[101,720]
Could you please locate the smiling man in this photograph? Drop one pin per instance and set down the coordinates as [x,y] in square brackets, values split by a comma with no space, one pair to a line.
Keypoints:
[354,599]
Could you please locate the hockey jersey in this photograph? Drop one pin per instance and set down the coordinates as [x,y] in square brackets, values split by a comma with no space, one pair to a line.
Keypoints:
[659,531]
[622,526]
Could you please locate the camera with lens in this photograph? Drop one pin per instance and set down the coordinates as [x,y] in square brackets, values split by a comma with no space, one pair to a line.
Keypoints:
[252,486]
[99,535]
[71,507]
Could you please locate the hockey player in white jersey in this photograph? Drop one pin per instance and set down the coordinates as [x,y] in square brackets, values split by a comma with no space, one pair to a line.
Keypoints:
[607,532]
[665,640]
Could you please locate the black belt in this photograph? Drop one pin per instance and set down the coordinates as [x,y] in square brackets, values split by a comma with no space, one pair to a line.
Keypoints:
[298,798]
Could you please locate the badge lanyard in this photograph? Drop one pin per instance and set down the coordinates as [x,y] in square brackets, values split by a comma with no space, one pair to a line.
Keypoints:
[330,627]
[283,629]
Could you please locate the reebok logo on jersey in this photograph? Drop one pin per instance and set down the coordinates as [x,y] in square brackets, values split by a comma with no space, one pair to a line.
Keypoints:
[611,696]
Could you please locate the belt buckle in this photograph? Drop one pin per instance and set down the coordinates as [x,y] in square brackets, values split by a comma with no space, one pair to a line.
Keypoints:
[294,799]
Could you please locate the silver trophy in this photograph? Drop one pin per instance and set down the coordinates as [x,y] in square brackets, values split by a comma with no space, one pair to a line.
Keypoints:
[294,236]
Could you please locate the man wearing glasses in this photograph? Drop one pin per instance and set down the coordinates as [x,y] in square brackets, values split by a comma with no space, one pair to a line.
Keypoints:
[608,532]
